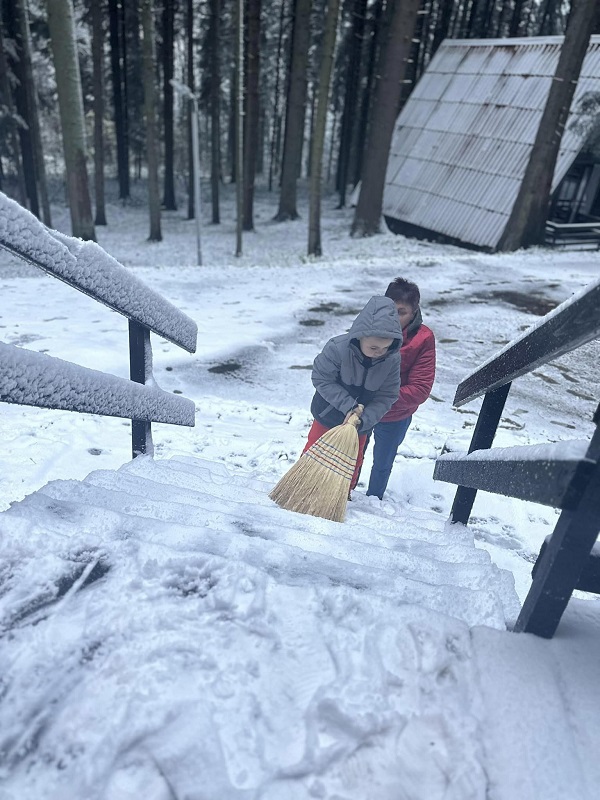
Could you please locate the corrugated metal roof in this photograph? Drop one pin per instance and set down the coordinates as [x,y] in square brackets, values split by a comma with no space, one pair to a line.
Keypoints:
[463,139]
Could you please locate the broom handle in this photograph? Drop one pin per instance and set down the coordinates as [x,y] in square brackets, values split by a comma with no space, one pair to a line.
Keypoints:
[354,418]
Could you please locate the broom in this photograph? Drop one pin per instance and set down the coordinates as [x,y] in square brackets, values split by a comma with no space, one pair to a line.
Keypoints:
[319,482]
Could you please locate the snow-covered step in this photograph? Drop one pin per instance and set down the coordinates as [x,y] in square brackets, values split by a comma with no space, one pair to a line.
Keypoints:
[289,565]
[129,497]
[149,484]
[415,523]
[176,658]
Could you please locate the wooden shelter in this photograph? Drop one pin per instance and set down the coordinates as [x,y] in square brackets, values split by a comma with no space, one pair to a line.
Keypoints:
[463,140]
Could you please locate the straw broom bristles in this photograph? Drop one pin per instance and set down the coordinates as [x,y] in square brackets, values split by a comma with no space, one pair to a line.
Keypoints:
[319,482]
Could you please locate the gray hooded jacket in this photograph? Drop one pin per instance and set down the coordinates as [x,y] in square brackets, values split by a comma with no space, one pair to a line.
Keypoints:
[344,377]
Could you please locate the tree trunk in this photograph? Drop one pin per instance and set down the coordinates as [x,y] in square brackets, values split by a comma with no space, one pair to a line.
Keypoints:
[461,24]
[348,125]
[149,62]
[169,199]
[120,110]
[252,111]
[318,135]
[516,21]
[133,84]
[215,109]
[189,23]
[27,106]
[295,113]
[13,123]
[367,95]
[98,82]
[547,16]
[402,15]
[238,83]
[276,123]
[61,24]
[442,24]
[527,220]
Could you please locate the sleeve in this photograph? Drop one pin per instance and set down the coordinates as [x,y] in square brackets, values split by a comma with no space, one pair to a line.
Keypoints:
[419,381]
[384,399]
[325,374]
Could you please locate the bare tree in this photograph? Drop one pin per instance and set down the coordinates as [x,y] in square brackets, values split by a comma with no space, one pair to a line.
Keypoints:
[394,53]
[318,136]
[61,23]
[149,66]
[527,220]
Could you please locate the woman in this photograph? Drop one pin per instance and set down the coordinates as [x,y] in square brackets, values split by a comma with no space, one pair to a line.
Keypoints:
[417,375]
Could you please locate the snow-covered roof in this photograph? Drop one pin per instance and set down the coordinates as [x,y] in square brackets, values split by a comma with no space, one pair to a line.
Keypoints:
[89,268]
[463,139]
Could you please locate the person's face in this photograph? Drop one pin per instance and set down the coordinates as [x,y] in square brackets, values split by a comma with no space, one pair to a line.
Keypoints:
[405,312]
[374,346]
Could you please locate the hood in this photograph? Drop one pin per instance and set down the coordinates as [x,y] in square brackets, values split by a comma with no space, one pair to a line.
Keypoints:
[378,318]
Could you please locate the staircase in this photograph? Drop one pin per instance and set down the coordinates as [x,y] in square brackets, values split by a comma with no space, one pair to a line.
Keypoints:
[166,622]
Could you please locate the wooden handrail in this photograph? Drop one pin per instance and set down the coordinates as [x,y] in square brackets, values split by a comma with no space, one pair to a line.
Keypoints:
[91,270]
[567,327]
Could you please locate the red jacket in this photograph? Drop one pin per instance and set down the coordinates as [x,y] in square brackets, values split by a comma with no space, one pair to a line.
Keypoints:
[417,372]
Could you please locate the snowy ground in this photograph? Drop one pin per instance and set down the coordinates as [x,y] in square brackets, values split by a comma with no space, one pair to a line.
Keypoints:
[221,647]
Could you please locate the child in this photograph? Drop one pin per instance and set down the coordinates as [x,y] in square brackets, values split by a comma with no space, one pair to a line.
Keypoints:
[358,368]
[417,375]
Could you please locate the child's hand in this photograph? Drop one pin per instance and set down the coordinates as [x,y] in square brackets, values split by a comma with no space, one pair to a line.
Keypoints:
[358,410]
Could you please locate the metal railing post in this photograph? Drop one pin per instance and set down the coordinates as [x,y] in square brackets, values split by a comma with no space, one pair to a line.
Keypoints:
[140,370]
[483,436]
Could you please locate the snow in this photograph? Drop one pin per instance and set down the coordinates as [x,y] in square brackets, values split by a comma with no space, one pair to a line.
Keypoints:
[167,631]
[31,378]
[573,450]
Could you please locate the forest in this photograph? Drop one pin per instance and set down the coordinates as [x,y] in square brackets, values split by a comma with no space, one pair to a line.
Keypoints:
[184,96]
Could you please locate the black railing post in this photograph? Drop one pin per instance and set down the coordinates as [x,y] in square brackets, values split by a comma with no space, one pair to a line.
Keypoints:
[140,369]
[483,436]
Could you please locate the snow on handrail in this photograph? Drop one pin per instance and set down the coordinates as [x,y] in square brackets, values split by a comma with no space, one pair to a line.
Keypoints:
[570,325]
[91,270]
[36,379]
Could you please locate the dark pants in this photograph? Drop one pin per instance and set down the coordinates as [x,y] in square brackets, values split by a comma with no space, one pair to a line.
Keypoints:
[388,438]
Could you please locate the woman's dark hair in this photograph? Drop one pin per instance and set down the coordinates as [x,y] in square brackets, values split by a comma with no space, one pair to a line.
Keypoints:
[402,291]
